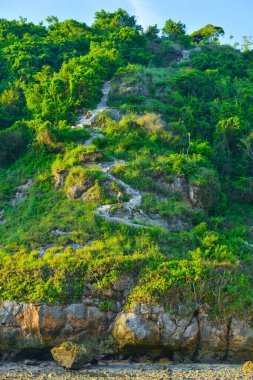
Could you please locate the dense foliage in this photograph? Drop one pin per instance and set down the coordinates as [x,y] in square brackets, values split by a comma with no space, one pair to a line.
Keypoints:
[182,121]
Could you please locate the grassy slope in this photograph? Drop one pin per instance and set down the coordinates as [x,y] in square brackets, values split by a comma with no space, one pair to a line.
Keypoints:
[206,262]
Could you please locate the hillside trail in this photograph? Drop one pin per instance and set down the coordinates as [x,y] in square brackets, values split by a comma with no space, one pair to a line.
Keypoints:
[129,212]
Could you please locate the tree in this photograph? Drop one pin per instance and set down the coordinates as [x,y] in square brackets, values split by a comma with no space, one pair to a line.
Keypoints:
[107,20]
[174,29]
[208,33]
[152,32]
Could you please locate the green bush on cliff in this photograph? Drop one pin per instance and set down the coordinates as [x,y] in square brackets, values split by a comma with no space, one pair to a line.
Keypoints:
[185,137]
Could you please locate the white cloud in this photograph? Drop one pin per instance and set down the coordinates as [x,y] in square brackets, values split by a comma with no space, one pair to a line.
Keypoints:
[145,14]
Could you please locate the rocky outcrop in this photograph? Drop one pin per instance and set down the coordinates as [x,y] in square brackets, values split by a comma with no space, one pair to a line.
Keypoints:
[199,196]
[103,326]
[21,193]
[240,340]
[76,191]
[151,329]
[59,178]
[72,356]
[115,114]
[41,326]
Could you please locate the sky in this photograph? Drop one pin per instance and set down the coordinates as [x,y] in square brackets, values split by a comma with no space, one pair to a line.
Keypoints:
[235,16]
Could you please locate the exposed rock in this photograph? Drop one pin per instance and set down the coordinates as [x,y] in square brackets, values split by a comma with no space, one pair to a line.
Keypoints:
[199,196]
[60,177]
[70,355]
[27,185]
[124,285]
[60,233]
[176,184]
[195,195]
[240,340]
[186,54]
[133,330]
[90,156]
[115,114]
[151,327]
[212,339]
[92,115]
[76,191]
[19,197]
[248,367]
[21,194]
[180,335]
[146,329]
[40,326]
[42,250]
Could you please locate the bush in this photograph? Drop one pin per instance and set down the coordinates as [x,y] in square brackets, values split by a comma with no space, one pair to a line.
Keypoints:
[14,141]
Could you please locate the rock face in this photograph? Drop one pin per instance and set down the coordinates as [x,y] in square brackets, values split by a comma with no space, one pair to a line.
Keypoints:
[41,326]
[70,355]
[101,327]
[150,329]
[76,191]
[202,197]
[240,340]
[60,177]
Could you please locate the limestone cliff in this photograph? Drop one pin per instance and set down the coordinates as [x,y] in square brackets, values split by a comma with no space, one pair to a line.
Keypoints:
[143,330]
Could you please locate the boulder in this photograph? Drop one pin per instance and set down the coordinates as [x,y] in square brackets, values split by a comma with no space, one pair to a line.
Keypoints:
[72,356]
[76,191]
[134,330]
[248,367]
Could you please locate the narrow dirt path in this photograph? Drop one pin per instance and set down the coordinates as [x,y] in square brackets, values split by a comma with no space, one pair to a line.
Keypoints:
[130,212]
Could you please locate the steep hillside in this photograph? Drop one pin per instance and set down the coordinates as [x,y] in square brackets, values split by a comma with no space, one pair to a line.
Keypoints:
[176,141]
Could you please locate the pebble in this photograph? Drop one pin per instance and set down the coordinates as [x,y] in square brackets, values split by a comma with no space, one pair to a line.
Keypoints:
[121,371]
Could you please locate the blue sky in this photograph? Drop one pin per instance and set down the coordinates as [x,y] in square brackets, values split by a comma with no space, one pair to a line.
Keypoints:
[235,16]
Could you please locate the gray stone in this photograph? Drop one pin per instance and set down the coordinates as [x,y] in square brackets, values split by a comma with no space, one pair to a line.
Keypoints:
[72,356]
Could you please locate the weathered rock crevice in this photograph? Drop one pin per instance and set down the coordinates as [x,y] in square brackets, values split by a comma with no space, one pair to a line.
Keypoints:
[227,338]
[198,339]
[31,330]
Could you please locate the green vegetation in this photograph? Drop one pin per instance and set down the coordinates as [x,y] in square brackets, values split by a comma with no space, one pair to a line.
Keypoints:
[184,133]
